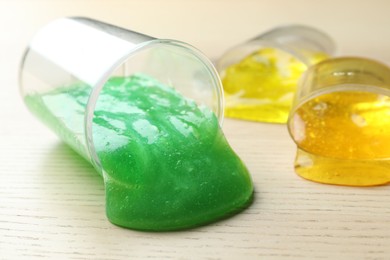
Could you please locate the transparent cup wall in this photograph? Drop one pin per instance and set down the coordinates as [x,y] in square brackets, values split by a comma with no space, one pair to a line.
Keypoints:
[73,52]
[298,40]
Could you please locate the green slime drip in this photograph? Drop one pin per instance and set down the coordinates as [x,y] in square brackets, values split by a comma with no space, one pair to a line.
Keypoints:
[166,163]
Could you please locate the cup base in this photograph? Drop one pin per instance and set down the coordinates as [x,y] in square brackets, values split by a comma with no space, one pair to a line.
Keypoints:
[342,171]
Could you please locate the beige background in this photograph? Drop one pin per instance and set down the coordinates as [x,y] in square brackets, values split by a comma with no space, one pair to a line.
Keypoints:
[52,202]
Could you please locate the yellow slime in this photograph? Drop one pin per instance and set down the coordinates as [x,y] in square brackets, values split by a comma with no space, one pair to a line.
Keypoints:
[262,85]
[343,138]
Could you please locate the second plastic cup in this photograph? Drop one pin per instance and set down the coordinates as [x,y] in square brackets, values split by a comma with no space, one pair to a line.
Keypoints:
[260,76]
[340,121]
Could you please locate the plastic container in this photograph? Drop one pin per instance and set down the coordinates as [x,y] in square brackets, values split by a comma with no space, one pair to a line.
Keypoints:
[340,120]
[260,75]
[146,113]
[79,50]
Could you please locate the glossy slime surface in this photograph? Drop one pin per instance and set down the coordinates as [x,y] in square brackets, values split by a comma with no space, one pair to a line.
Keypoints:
[166,163]
[262,85]
[343,138]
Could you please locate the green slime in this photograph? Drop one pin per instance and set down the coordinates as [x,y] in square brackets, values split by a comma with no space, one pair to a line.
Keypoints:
[165,162]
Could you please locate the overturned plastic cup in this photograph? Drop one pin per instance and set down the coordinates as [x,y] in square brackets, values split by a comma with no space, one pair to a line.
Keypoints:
[146,113]
[340,121]
[260,76]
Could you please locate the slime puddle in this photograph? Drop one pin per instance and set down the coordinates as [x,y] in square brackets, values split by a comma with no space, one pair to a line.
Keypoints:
[166,163]
[261,86]
[343,138]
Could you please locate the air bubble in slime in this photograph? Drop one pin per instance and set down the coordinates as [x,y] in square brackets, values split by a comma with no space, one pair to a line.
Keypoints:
[340,121]
[146,113]
[260,76]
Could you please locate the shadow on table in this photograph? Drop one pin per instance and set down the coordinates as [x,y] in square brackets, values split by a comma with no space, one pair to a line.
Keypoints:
[62,159]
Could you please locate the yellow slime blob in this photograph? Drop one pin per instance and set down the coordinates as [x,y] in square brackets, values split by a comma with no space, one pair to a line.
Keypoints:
[261,86]
[343,138]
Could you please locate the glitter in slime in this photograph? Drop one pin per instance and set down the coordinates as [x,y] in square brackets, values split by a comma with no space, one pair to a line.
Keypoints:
[342,130]
[166,163]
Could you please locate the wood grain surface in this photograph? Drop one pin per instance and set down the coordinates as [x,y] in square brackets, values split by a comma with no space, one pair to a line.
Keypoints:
[52,201]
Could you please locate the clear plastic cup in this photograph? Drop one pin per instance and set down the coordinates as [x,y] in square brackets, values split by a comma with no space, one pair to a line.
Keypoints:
[78,77]
[71,51]
[260,75]
[340,121]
